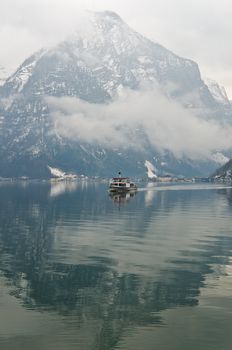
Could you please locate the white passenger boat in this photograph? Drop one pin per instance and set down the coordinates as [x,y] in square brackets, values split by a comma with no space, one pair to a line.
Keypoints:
[121,184]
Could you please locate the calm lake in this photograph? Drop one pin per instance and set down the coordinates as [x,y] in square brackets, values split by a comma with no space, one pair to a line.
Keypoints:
[80,269]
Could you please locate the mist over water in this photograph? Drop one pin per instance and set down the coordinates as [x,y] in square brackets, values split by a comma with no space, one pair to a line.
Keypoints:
[81,269]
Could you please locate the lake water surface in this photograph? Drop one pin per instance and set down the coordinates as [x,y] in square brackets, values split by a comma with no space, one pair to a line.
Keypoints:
[80,269]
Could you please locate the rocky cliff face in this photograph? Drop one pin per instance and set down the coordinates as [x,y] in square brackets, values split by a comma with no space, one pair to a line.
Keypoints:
[93,65]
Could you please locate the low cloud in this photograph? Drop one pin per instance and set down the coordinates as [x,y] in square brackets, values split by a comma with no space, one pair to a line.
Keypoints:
[136,115]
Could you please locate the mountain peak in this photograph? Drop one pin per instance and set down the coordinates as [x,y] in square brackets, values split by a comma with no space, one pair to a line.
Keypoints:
[108,20]
[110,15]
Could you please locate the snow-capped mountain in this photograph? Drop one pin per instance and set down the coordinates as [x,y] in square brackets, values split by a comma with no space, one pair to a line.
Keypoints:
[93,64]
[106,55]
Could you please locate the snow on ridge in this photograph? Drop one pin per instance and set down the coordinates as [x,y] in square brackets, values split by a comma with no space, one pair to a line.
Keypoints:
[217,91]
[23,74]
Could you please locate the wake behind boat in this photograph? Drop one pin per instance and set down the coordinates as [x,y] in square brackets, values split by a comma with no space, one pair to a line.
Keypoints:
[121,184]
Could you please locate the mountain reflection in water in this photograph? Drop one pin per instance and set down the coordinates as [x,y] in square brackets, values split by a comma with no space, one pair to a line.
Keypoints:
[68,252]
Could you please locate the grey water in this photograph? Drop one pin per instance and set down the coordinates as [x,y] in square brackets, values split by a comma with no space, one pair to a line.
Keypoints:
[80,269]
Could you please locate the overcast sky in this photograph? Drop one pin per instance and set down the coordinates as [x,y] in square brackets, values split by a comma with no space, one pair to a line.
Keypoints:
[196,29]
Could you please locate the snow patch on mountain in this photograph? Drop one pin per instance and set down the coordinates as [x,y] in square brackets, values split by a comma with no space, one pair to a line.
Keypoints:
[151,170]
[55,172]
[61,175]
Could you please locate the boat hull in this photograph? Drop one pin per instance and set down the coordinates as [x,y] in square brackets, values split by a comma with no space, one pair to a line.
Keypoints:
[120,189]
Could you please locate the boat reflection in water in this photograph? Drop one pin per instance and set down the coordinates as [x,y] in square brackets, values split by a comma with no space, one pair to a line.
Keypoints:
[121,198]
